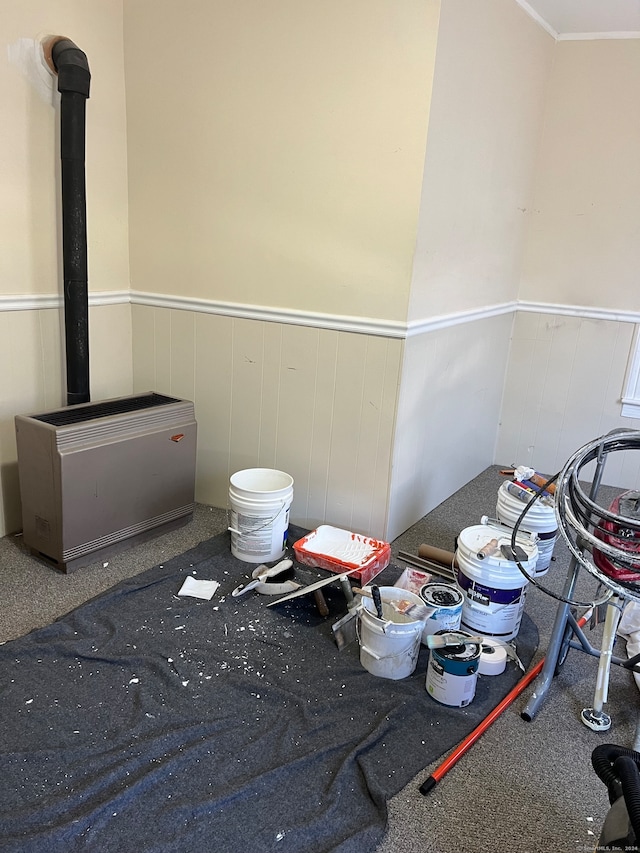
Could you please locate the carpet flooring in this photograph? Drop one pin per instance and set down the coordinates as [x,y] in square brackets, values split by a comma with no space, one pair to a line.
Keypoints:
[525,787]
[156,722]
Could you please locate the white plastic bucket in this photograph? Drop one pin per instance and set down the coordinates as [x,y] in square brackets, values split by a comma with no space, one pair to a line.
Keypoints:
[493,587]
[260,500]
[539,519]
[389,646]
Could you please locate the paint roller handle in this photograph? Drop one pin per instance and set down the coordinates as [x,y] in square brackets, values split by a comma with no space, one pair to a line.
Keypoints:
[438,555]
[541,481]
[377,600]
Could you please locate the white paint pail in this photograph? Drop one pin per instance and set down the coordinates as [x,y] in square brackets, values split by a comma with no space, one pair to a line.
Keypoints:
[493,587]
[539,519]
[447,601]
[389,646]
[452,674]
[260,500]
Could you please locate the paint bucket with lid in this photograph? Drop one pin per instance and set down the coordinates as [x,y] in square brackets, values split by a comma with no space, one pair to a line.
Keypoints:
[446,600]
[490,581]
[389,646]
[540,519]
[452,673]
[260,500]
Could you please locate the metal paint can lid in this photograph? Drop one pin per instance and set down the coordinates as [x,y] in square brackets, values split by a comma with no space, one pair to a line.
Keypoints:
[441,595]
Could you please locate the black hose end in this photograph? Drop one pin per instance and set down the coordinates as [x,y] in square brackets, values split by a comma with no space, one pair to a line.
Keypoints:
[428,785]
[72,66]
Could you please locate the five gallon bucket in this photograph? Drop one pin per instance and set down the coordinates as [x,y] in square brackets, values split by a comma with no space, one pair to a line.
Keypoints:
[389,646]
[493,586]
[260,500]
[539,519]
[446,601]
[452,673]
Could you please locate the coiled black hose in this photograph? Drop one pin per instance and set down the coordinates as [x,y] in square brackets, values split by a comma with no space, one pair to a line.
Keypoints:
[617,767]
[580,518]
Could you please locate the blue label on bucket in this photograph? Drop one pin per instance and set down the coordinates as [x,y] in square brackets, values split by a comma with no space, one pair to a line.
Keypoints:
[487,595]
[551,534]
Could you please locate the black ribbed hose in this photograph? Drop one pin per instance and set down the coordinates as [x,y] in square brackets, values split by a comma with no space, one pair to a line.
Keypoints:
[617,767]
[73,84]
[627,770]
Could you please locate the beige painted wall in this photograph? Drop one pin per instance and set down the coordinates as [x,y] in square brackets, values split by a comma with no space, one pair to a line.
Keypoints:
[323,216]
[490,79]
[276,150]
[31,335]
[583,245]
[566,373]
[29,149]
[490,82]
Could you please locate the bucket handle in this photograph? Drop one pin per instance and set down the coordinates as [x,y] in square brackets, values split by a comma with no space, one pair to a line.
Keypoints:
[255,529]
[372,653]
[401,653]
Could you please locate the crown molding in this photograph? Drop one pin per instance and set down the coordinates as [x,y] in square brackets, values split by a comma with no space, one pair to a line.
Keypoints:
[537,17]
[598,36]
[531,12]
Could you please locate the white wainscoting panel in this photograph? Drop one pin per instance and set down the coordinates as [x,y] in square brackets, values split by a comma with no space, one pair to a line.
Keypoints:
[563,389]
[452,382]
[317,403]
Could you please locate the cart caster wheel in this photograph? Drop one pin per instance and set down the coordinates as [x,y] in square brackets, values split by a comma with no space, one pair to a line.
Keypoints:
[597,722]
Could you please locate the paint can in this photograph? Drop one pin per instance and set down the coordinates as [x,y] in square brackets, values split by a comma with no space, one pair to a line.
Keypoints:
[493,587]
[389,646]
[452,673]
[539,519]
[260,500]
[447,601]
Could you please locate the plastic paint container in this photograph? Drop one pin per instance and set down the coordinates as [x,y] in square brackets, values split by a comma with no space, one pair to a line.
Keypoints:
[447,600]
[452,674]
[260,500]
[493,587]
[389,646]
[539,519]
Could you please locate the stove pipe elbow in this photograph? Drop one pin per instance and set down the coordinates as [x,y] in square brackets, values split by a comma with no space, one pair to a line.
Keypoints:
[70,64]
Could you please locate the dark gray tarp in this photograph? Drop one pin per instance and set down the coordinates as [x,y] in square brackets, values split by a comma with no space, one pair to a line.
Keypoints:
[143,721]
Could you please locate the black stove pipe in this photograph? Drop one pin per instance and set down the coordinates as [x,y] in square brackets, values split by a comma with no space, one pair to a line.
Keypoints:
[74,77]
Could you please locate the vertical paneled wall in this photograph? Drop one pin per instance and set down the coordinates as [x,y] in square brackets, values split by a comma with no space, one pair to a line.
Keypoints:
[317,403]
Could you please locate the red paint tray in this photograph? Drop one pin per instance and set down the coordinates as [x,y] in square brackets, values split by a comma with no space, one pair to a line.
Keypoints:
[339,550]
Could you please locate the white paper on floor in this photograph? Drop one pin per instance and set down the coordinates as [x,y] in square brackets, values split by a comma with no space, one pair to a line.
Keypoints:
[199,589]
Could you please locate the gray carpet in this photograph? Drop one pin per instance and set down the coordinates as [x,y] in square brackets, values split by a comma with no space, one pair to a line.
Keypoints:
[523,787]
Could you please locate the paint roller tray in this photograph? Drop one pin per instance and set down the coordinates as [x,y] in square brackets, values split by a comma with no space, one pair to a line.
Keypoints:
[339,551]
